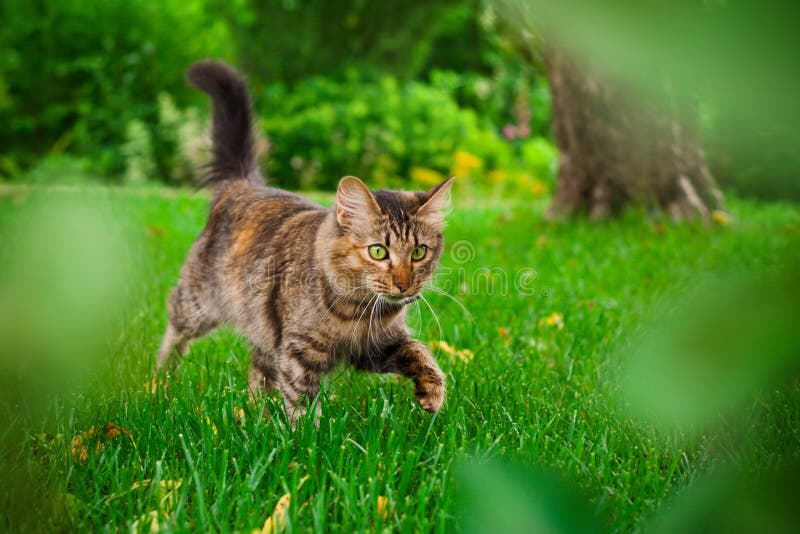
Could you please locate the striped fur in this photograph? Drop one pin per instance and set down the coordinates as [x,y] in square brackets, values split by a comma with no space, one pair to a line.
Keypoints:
[297,278]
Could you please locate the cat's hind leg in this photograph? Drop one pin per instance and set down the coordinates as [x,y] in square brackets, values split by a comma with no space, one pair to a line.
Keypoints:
[303,361]
[172,346]
[263,377]
[190,316]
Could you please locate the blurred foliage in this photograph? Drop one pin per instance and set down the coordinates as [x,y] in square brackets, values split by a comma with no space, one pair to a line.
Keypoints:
[94,91]
[387,132]
[736,59]
[61,277]
[760,161]
[523,500]
[62,271]
[98,85]
[75,73]
[709,354]
[736,501]
[323,37]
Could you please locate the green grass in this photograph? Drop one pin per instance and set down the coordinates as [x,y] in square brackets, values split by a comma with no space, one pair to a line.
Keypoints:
[534,393]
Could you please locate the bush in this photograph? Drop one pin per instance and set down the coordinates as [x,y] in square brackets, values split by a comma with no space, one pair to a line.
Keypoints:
[172,148]
[386,132]
[74,74]
[98,85]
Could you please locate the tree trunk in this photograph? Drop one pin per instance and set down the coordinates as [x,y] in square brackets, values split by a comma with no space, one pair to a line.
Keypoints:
[619,148]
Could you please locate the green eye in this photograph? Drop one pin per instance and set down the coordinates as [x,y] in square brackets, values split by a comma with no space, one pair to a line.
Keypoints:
[419,253]
[377,252]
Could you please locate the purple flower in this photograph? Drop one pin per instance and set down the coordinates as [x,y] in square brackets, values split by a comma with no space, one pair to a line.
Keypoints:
[509,131]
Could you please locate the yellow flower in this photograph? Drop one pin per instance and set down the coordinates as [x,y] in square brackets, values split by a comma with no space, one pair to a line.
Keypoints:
[554,319]
[498,175]
[443,346]
[720,217]
[465,163]
[277,521]
[383,507]
[426,177]
[212,425]
[465,355]
[239,415]
[538,188]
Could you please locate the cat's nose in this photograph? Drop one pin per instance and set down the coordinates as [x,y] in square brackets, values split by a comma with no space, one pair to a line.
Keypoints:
[402,284]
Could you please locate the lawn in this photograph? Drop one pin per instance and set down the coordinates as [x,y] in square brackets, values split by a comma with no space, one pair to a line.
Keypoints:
[531,359]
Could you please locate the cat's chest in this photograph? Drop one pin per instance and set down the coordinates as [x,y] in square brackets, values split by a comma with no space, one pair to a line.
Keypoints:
[361,335]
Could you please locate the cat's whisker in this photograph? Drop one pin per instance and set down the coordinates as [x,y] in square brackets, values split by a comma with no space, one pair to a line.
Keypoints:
[369,331]
[442,292]
[435,317]
[344,295]
[417,318]
[356,324]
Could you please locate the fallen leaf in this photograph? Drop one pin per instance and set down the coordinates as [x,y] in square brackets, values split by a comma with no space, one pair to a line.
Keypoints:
[113,430]
[212,425]
[277,521]
[383,507]
[82,441]
[79,451]
[720,217]
[239,415]
[554,319]
[156,231]
[151,386]
[147,522]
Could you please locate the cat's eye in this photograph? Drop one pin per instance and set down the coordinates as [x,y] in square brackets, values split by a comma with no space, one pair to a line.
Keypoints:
[419,253]
[378,252]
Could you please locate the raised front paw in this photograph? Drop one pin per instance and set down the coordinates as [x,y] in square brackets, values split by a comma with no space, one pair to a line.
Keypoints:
[430,390]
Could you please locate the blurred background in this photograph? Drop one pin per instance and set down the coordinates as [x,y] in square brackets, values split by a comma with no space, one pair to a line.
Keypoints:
[401,94]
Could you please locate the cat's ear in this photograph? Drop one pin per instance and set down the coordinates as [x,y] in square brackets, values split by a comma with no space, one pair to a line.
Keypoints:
[436,203]
[354,203]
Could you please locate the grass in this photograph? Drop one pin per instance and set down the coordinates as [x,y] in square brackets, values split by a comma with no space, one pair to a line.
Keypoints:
[541,390]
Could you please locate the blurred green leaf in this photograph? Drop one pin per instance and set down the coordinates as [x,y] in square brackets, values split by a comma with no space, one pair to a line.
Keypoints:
[727,500]
[62,270]
[739,57]
[502,497]
[715,349]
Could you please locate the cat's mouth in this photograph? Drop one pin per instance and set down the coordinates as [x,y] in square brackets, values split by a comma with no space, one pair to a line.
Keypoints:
[401,300]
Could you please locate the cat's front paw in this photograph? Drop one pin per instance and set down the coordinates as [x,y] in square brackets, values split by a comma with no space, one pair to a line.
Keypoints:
[430,391]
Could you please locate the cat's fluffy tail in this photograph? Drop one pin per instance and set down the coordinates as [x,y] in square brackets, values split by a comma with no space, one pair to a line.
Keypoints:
[233,144]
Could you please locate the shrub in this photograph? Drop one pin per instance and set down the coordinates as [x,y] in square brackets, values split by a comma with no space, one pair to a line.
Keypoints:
[385,131]
[74,73]
[172,148]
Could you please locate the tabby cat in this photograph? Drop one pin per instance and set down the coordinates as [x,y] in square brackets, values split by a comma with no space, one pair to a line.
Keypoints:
[310,287]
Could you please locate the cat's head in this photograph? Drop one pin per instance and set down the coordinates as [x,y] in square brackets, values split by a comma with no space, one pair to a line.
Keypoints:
[389,242]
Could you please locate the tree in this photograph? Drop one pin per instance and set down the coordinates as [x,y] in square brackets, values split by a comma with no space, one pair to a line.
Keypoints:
[619,146]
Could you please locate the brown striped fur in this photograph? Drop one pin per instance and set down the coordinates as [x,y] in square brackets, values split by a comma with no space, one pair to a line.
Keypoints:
[297,278]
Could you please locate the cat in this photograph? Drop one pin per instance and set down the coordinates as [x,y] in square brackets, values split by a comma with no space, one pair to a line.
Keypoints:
[310,287]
